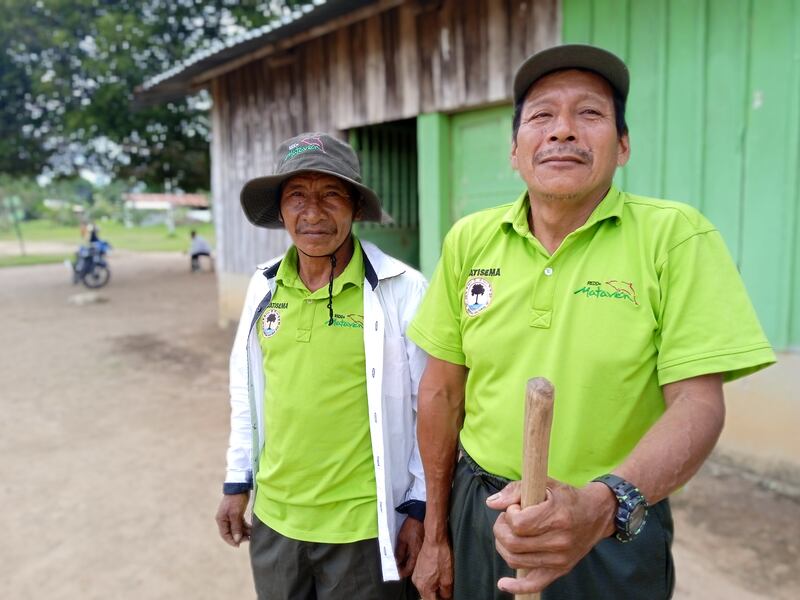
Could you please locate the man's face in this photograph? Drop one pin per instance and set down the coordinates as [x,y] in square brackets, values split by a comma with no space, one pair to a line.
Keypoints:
[317,211]
[567,145]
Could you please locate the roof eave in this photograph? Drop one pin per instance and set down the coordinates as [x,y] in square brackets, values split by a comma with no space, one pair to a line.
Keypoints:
[190,76]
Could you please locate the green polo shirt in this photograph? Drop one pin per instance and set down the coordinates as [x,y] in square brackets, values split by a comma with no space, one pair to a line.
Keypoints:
[643,294]
[316,481]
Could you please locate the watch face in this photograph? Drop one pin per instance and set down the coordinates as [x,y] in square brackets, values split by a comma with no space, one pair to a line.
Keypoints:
[636,520]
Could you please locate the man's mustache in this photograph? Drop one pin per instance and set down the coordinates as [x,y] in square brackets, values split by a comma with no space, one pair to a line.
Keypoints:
[583,155]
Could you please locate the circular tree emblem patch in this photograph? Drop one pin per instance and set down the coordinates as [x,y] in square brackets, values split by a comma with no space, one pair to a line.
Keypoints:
[477,295]
[270,323]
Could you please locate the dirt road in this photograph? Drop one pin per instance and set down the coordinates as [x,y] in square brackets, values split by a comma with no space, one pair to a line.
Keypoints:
[113,430]
[113,436]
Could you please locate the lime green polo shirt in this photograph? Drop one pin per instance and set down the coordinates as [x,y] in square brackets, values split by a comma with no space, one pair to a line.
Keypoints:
[643,294]
[316,481]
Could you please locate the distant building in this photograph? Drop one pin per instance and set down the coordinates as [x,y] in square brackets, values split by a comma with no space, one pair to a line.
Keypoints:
[160,208]
[55,204]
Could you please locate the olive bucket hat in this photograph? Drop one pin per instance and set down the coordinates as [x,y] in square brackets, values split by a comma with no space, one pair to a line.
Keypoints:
[317,152]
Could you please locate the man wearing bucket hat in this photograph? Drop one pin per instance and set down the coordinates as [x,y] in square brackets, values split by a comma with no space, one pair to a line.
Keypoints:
[323,389]
[626,304]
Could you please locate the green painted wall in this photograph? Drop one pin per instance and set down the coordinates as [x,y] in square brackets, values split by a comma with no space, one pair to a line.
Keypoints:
[464,167]
[433,142]
[388,156]
[714,114]
[481,173]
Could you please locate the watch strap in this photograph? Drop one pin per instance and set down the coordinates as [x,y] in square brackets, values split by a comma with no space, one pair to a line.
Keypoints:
[617,484]
[628,498]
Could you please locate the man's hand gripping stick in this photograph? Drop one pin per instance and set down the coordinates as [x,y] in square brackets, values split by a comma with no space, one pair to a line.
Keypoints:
[539,395]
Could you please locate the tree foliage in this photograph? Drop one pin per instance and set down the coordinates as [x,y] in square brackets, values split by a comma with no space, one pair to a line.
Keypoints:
[68,69]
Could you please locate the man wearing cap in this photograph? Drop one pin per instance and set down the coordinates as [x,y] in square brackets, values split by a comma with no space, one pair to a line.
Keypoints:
[635,311]
[323,389]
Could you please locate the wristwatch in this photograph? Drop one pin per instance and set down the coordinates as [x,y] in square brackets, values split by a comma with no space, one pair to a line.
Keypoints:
[632,510]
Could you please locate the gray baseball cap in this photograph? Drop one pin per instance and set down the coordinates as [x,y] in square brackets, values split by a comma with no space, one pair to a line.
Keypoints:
[572,56]
[317,152]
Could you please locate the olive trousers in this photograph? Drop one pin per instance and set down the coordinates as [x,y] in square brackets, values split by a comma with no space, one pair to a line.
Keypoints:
[287,569]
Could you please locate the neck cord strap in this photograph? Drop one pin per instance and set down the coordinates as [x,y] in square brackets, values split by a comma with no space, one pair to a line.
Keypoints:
[332,256]
[330,290]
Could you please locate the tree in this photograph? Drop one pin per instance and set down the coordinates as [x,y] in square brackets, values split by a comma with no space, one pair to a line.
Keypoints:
[20,154]
[69,68]
[477,290]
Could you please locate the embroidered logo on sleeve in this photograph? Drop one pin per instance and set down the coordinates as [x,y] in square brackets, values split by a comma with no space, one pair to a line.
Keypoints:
[477,295]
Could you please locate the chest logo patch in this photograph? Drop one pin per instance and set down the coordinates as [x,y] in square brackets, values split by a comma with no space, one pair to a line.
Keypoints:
[270,323]
[348,321]
[614,289]
[477,295]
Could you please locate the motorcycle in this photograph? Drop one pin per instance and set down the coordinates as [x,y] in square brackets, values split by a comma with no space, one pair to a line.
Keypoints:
[90,265]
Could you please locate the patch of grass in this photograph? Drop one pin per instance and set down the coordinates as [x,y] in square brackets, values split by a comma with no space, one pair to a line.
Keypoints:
[141,239]
[31,259]
[43,231]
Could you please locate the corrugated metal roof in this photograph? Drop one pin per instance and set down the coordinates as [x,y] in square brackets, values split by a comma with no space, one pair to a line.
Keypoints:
[176,82]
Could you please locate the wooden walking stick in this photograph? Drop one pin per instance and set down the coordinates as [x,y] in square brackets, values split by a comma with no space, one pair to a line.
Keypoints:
[539,394]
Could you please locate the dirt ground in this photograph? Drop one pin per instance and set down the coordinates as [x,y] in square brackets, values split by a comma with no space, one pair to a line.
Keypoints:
[112,437]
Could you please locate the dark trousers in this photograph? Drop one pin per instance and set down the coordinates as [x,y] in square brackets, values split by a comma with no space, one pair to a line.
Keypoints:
[195,262]
[287,569]
[641,569]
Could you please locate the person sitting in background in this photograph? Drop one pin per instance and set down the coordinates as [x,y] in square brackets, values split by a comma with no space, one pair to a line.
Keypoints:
[199,247]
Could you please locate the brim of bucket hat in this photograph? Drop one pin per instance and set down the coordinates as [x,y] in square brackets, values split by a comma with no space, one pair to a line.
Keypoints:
[260,199]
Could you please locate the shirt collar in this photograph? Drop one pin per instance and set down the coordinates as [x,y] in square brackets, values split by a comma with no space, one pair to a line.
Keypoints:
[610,207]
[353,273]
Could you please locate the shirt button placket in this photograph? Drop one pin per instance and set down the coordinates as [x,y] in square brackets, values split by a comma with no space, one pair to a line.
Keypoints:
[542,311]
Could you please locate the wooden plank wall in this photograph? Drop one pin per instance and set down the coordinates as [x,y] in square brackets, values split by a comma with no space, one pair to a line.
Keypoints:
[422,56]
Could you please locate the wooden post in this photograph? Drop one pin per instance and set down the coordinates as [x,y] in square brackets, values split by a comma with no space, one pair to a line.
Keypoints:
[539,395]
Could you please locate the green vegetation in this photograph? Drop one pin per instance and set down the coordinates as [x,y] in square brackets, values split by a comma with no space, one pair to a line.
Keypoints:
[68,69]
[141,239]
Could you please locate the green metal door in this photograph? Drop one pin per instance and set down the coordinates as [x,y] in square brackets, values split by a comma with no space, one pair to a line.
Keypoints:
[714,116]
[388,155]
[480,147]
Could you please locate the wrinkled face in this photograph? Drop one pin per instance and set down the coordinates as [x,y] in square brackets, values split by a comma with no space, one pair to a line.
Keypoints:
[567,146]
[317,211]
